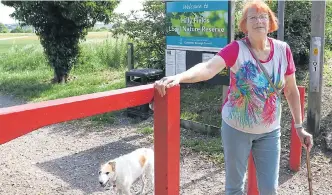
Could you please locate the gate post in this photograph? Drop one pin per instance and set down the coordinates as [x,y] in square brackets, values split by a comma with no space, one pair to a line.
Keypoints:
[167,142]
[252,180]
[295,143]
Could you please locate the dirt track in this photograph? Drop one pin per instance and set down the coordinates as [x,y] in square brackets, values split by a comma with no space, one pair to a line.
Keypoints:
[8,38]
[64,159]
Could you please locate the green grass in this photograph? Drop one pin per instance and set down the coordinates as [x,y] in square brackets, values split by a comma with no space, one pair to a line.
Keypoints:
[101,119]
[327,71]
[35,86]
[14,34]
[25,73]
[202,103]
[210,147]
[10,44]
[31,39]
[145,130]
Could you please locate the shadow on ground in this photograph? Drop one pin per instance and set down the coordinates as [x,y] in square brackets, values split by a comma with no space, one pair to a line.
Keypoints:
[319,147]
[29,87]
[202,178]
[80,170]
[85,126]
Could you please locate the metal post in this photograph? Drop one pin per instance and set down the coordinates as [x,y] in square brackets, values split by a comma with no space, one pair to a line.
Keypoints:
[130,56]
[281,19]
[318,12]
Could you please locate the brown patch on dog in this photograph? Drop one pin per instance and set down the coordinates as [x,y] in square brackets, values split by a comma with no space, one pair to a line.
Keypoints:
[110,167]
[142,160]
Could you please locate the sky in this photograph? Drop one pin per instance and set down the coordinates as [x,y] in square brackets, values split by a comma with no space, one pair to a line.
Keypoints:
[124,7]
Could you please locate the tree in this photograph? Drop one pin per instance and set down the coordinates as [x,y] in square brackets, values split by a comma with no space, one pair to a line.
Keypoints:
[18,29]
[60,25]
[3,28]
[297,27]
[147,32]
[328,25]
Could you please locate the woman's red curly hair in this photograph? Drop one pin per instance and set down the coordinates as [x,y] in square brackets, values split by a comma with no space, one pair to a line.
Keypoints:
[261,7]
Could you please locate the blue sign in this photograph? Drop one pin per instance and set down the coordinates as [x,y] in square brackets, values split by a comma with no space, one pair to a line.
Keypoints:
[197,25]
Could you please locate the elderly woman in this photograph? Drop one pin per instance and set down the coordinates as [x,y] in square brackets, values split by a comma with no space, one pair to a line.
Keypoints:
[251,112]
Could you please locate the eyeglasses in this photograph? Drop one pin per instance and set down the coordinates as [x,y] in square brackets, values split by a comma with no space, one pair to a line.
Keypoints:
[262,17]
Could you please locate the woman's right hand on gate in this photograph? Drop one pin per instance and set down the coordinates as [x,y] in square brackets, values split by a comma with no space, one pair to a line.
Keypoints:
[166,82]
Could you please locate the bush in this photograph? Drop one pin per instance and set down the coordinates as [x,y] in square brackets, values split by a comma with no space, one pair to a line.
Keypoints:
[328,25]
[147,34]
[110,53]
[149,37]
[297,27]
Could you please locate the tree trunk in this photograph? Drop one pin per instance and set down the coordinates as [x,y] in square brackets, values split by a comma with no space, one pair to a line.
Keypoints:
[59,78]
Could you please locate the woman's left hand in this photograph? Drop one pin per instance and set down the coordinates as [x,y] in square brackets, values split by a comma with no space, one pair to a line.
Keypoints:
[305,138]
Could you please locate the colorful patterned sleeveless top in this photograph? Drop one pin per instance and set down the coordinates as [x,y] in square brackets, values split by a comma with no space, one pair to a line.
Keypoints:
[252,105]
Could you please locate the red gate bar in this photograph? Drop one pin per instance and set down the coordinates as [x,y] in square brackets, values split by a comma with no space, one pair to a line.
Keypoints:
[19,120]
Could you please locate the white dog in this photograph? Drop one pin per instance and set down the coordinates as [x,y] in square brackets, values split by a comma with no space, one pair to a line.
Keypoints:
[122,172]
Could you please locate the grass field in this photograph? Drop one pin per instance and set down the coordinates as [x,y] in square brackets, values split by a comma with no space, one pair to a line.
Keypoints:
[10,42]
[13,40]
[4,35]
[26,73]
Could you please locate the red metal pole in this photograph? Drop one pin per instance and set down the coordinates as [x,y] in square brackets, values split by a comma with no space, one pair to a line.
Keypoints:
[252,180]
[295,143]
[167,142]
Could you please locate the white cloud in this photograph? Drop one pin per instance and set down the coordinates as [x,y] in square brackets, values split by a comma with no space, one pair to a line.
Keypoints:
[5,11]
[127,5]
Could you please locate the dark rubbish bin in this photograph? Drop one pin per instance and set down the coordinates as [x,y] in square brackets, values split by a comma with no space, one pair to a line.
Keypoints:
[136,77]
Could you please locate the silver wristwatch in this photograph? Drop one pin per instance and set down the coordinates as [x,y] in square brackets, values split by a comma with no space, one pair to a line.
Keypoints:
[298,126]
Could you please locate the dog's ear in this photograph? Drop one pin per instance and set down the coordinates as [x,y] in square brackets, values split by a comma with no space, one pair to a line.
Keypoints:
[101,164]
[112,163]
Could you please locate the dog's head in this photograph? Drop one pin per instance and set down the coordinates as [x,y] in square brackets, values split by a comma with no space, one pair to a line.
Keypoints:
[107,176]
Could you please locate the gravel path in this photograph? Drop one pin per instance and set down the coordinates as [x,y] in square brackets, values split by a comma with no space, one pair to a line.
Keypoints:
[64,159]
